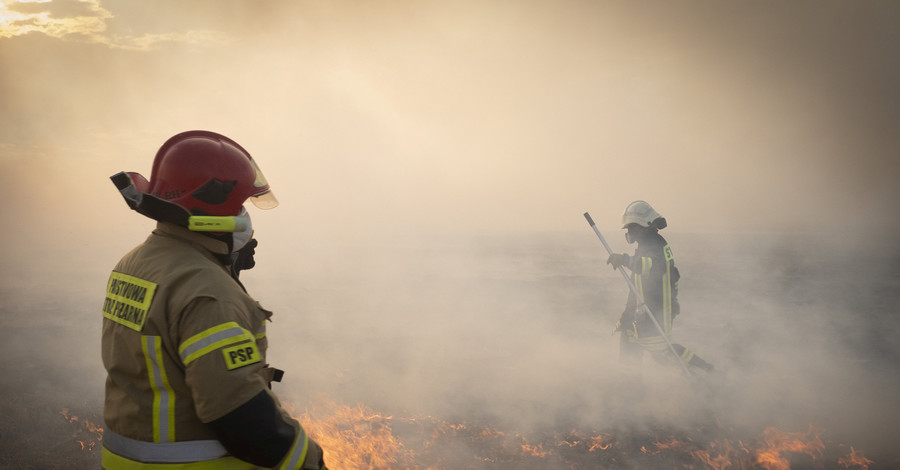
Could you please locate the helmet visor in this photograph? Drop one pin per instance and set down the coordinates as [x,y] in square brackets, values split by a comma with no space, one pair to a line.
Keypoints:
[265,199]
[260,181]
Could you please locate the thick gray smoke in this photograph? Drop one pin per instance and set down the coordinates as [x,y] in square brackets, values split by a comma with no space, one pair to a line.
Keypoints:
[516,331]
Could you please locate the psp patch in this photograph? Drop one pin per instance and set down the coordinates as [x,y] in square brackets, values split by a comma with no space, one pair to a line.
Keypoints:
[128,300]
[241,355]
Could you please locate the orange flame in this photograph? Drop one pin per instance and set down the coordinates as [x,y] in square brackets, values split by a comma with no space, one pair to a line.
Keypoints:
[720,455]
[779,442]
[356,438]
[855,459]
[672,444]
[663,446]
[83,426]
[597,443]
[537,451]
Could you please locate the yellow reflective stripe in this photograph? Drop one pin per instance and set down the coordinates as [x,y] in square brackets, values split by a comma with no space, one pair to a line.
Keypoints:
[261,333]
[667,291]
[646,265]
[639,285]
[163,395]
[667,301]
[687,355]
[653,343]
[213,338]
[111,461]
[297,455]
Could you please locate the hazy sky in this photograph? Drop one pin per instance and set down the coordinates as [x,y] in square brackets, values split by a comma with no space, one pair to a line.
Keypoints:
[402,118]
[387,116]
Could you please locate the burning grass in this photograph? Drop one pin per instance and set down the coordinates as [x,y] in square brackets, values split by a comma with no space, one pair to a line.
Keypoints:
[36,433]
[39,436]
[356,437]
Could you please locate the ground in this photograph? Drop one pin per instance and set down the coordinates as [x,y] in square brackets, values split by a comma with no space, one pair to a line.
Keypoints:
[496,353]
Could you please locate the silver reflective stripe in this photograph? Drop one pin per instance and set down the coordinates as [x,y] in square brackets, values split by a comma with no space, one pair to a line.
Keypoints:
[234,333]
[298,451]
[162,452]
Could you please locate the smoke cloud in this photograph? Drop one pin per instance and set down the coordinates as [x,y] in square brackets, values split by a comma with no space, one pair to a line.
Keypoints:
[433,161]
[516,330]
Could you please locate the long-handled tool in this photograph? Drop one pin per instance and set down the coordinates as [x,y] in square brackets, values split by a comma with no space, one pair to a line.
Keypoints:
[638,297]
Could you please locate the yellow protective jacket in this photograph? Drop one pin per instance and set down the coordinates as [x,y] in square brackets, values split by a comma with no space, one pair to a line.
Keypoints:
[183,344]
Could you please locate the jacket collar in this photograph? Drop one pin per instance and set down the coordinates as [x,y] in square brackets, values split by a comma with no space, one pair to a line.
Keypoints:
[216,247]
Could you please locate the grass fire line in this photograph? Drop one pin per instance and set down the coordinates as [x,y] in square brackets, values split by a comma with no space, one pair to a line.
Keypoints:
[357,437]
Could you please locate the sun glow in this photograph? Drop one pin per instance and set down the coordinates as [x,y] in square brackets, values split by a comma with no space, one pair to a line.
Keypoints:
[88,22]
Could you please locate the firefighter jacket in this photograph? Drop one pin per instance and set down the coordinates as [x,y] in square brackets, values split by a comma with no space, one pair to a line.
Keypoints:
[656,280]
[183,345]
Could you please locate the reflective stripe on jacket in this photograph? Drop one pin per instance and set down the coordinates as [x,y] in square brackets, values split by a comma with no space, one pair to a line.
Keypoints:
[122,453]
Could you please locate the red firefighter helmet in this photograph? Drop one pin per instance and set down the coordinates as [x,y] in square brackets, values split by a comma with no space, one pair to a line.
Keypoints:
[207,174]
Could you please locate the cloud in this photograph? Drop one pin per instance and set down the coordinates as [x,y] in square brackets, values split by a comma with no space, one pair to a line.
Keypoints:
[86,21]
[55,19]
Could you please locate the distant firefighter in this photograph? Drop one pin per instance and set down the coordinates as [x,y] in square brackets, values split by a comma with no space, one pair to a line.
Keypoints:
[184,345]
[655,278]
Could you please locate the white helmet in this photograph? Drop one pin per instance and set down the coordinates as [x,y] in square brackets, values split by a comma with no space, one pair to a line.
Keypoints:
[639,212]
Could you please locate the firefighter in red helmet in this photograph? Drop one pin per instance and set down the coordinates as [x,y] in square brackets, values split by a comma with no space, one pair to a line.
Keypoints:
[184,345]
[656,280]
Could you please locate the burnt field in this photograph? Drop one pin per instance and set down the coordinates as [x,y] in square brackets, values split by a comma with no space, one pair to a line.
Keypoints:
[496,353]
